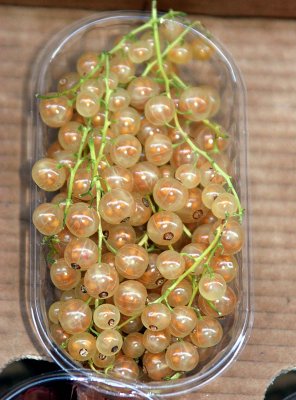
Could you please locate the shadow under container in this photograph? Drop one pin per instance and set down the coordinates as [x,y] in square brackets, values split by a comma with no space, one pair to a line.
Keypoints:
[59,56]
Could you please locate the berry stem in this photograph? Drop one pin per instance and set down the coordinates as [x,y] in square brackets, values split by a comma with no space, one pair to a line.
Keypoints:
[73,170]
[176,119]
[143,240]
[187,231]
[194,292]
[168,48]
[193,266]
[74,88]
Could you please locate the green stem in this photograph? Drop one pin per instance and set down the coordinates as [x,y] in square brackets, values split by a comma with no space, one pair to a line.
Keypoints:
[74,169]
[91,364]
[143,240]
[171,14]
[109,247]
[214,308]
[194,292]
[168,48]
[176,119]
[151,204]
[107,112]
[187,231]
[74,88]
[192,268]
[213,163]
[94,331]
[179,81]
[127,321]
[157,48]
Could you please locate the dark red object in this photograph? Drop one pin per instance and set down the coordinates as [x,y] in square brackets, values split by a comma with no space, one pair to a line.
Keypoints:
[39,393]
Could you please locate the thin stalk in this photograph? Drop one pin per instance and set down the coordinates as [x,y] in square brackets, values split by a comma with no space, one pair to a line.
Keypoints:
[168,48]
[143,240]
[192,268]
[187,231]
[213,163]
[73,170]
[74,88]
[194,292]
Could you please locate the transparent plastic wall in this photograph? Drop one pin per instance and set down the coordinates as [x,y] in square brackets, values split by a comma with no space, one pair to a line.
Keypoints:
[58,57]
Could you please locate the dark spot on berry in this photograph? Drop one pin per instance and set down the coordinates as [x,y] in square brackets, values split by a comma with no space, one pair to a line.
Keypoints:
[75,266]
[145,202]
[159,281]
[114,349]
[168,236]
[153,327]
[83,352]
[106,234]
[83,289]
[103,295]
[126,219]
[197,214]
[111,322]
[102,357]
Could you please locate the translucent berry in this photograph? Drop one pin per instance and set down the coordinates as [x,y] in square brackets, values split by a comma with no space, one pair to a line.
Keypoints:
[170,264]
[63,276]
[133,345]
[116,205]
[81,253]
[188,175]
[195,104]
[48,175]
[126,151]
[207,333]
[101,281]
[82,220]
[156,341]
[126,122]
[182,356]
[131,261]
[82,346]
[140,51]
[160,110]
[141,89]
[109,342]
[121,235]
[164,228]
[48,219]
[106,316]
[145,176]
[169,194]
[183,321]
[130,297]
[212,286]
[55,111]
[70,136]
[158,149]
[75,316]
[224,205]
[156,317]
[180,295]
[155,366]
[119,100]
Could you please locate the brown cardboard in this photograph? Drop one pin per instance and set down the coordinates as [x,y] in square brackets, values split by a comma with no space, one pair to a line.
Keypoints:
[274,8]
[265,52]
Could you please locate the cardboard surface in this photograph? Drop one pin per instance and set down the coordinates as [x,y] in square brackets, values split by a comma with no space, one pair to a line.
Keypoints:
[265,52]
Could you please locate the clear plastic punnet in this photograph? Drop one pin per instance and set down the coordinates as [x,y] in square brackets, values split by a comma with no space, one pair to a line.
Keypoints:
[59,55]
